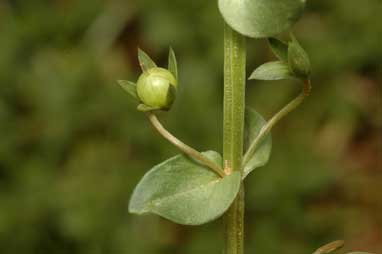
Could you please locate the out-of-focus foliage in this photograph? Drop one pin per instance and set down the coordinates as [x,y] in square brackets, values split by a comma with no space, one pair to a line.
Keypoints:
[73,145]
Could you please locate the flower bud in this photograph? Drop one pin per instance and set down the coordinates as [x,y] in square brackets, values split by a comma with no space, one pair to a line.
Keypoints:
[298,59]
[156,88]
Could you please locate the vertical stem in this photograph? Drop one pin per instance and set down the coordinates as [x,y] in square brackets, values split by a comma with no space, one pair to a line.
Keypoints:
[234,226]
[233,129]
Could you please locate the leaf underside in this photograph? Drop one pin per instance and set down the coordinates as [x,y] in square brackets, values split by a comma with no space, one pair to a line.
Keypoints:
[253,124]
[261,18]
[184,191]
[276,70]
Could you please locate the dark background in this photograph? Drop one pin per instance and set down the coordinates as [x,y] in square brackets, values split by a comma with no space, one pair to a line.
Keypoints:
[72,145]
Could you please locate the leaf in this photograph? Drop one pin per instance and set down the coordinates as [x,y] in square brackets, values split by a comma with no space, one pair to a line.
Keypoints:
[145,61]
[145,108]
[172,63]
[298,59]
[129,87]
[184,191]
[272,71]
[261,18]
[330,247]
[279,48]
[253,124]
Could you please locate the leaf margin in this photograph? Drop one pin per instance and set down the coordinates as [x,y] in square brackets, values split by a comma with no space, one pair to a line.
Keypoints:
[142,209]
[266,145]
[274,70]
[145,61]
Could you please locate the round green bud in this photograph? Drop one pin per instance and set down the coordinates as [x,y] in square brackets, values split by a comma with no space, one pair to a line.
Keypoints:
[156,88]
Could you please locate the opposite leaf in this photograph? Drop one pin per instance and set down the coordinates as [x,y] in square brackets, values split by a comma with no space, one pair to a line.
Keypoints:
[261,18]
[172,63]
[253,124]
[279,48]
[129,87]
[184,191]
[145,61]
[298,59]
[273,71]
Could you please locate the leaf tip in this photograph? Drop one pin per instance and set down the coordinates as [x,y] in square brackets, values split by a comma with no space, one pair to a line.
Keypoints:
[276,70]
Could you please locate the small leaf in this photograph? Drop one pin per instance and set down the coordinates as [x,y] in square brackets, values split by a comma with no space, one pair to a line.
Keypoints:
[253,124]
[330,247]
[129,87]
[172,63]
[145,61]
[145,108]
[261,18]
[184,191]
[272,71]
[279,48]
[298,59]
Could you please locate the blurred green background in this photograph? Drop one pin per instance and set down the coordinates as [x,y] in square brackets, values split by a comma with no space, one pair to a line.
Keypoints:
[73,147]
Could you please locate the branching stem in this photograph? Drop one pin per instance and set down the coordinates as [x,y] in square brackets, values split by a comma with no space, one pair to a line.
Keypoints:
[275,119]
[183,147]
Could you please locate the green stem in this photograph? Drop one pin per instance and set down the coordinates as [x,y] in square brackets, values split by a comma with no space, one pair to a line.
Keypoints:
[275,119]
[183,147]
[233,130]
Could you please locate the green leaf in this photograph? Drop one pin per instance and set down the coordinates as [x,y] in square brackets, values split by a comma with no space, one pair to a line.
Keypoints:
[145,61]
[253,124]
[145,108]
[279,48]
[184,191]
[272,71]
[173,64]
[298,59]
[129,87]
[261,18]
